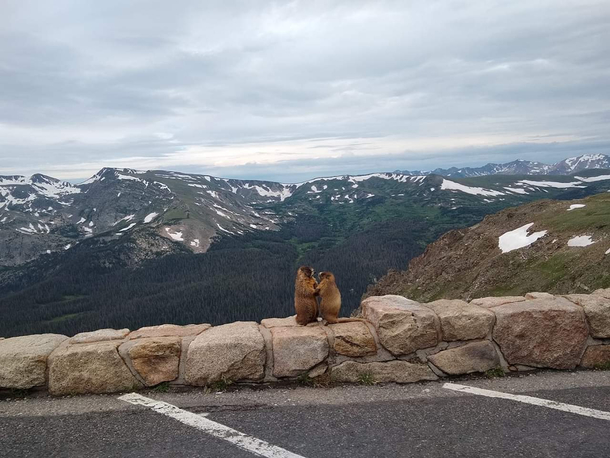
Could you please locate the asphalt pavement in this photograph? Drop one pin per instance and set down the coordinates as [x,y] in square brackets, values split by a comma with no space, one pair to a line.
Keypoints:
[416,420]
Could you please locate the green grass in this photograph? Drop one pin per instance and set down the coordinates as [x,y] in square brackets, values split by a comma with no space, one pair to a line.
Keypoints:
[162,387]
[495,373]
[367,379]
[218,386]
[603,366]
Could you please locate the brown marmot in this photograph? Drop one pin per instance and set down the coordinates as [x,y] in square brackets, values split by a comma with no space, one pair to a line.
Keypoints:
[330,304]
[305,301]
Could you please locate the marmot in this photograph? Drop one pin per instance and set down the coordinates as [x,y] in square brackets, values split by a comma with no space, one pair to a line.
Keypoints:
[305,301]
[330,304]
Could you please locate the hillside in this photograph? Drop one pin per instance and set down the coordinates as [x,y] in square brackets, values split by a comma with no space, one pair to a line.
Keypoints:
[132,248]
[554,246]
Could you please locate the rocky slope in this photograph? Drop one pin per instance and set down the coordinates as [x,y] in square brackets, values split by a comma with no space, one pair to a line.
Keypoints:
[568,166]
[554,246]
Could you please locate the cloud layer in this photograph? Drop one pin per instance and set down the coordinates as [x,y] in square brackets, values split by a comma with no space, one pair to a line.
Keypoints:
[291,90]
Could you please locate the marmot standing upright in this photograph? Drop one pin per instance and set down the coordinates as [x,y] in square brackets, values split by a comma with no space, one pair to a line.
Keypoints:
[331,297]
[330,304]
[305,301]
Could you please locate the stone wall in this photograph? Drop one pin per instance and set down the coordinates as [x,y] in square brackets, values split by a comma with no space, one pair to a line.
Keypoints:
[398,340]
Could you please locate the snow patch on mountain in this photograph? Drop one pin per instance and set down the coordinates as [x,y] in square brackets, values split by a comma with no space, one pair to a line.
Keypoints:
[453,186]
[581,241]
[518,238]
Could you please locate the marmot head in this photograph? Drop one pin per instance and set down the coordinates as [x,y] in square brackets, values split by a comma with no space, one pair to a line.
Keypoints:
[306,271]
[327,276]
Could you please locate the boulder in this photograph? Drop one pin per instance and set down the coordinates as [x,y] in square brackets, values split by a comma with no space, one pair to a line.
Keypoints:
[491,302]
[390,371]
[472,357]
[232,352]
[537,295]
[353,339]
[89,368]
[403,325]
[169,330]
[297,349]
[279,322]
[100,335]
[155,359]
[603,292]
[541,333]
[462,321]
[597,356]
[23,360]
[597,311]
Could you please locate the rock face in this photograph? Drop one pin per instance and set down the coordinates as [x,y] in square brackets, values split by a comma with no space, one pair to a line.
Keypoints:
[603,292]
[100,335]
[156,359]
[403,326]
[462,321]
[353,339]
[472,357]
[596,356]
[89,368]
[391,371]
[597,311]
[169,330]
[297,349]
[541,333]
[233,352]
[23,360]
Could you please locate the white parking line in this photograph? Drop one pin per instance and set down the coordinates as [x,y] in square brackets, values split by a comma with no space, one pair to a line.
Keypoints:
[600,414]
[241,440]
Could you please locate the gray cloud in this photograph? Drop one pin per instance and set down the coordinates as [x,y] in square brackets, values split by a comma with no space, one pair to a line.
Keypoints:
[289,90]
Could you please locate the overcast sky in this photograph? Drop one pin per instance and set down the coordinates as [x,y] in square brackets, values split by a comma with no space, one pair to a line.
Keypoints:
[292,90]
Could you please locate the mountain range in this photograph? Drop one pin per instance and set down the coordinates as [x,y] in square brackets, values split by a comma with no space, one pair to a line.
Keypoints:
[132,248]
[568,166]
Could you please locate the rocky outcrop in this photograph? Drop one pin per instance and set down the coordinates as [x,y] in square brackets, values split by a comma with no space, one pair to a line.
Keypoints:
[541,333]
[472,357]
[403,326]
[23,360]
[230,352]
[298,349]
[391,371]
[461,320]
[89,368]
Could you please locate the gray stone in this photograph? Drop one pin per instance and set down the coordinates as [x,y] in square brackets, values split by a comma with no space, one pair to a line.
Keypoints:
[100,335]
[538,295]
[382,372]
[279,322]
[89,368]
[403,325]
[353,339]
[541,333]
[232,352]
[597,356]
[462,321]
[23,360]
[597,311]
[491,302]
[155,359]
[472,357]
[297,349]
[169,330]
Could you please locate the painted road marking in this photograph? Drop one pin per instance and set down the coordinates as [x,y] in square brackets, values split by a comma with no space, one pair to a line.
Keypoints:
[241,440]
[600,414]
